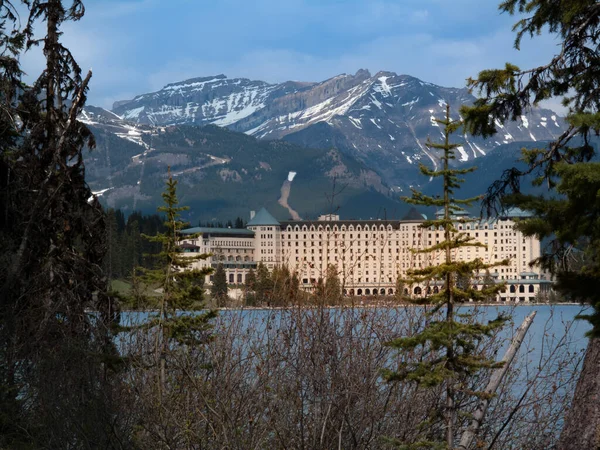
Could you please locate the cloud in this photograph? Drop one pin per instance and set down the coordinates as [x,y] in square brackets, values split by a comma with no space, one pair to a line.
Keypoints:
[446,62]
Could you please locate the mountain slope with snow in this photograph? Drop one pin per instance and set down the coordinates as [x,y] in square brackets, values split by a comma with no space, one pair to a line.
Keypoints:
[382,120]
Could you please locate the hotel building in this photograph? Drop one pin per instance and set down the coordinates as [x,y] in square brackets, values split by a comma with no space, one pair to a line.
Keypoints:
[370,254]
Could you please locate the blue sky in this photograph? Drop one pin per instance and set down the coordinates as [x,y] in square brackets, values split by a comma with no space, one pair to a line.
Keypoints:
[138,46]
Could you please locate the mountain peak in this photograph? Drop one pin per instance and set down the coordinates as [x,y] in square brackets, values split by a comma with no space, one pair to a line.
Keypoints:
[383,120]
[195,80]
[385,73]
[363,73]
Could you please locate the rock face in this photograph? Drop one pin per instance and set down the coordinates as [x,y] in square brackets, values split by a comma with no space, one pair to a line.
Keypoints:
[382,120]
[582,424]
[224,174]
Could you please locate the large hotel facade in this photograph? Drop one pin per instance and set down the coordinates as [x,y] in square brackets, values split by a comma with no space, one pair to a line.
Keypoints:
[369,254]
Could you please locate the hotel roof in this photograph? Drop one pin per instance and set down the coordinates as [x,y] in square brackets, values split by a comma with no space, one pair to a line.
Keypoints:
[263,217]
[220,231]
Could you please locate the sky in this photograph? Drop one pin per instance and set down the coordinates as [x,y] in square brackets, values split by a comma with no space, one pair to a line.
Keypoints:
[139,46]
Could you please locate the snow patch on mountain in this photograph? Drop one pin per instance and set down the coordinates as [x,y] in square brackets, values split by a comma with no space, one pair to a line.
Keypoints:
[356,122]
[133,113]
[525,121]
[412,102]
[100,192]
[383,87]
[196,86]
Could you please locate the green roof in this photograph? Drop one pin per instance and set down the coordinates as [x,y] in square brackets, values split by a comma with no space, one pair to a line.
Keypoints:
[413,214]
[222,231]
[263,217]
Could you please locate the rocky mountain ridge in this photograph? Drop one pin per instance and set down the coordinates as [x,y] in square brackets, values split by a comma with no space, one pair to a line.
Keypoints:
[223,174]
[382,120]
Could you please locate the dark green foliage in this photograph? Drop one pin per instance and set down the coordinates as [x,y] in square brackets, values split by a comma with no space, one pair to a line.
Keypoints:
[568,214]
[238,224]
[264,285]
[251,280]
[450,347]
[174,275]
[399,288]
[333,287]
[280,277]
[278,288]
[250,285]
[218,290]
[127,248]
[286,287]
[294,289]
[57,361]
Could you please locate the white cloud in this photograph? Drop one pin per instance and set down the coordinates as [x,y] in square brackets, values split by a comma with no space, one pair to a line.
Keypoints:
[446,62]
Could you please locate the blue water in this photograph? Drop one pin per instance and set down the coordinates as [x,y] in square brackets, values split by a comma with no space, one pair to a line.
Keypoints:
[553,324]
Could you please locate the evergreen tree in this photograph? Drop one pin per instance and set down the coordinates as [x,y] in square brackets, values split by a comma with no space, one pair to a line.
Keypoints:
[57,359]
[127,249]
[250,285]
[132,248]
[569,215]
[294,289]
[451,343]
[319,292]
[181,286]
[264,284]
[112,261]
[281,286]
[569,220]
[333,287]
[463,281]
[218,290]
[487,285]
[400,286]
[251,280]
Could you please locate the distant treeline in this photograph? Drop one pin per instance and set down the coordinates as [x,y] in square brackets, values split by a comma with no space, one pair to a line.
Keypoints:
[237,223]
[127,248]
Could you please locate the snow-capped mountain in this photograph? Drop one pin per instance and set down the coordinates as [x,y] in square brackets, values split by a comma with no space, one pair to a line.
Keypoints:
[382,120]
[211,100]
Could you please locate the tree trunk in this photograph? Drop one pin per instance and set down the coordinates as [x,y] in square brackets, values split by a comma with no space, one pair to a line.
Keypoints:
[494,383]
[582,423]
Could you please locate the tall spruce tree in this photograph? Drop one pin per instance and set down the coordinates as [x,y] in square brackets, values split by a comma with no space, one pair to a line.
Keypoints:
[181,287]
[263,287]
[218,290]
[59,357]
[568,215]
[249,286]
[450,344]
[333,286]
